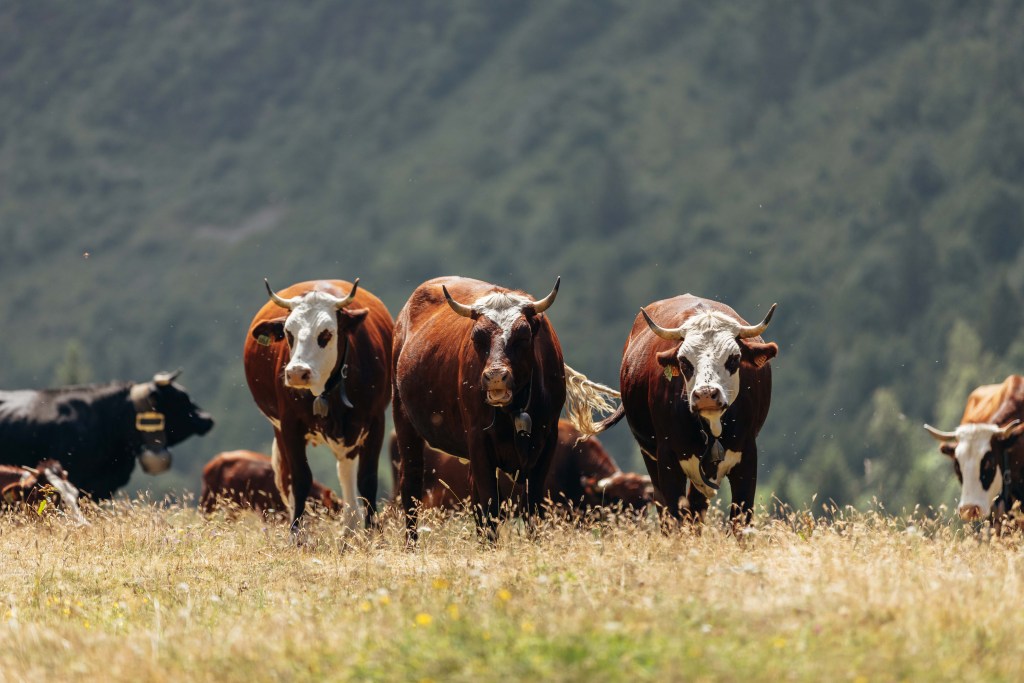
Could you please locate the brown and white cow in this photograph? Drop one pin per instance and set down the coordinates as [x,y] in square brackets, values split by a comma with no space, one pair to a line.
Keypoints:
[318,362]
[29,486]
[582,474]
[479,374]
[985,447]
[696,388]
[246,479]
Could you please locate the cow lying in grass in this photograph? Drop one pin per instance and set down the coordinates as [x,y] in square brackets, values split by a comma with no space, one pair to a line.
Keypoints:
[39,487]
[246,479]
[581,475]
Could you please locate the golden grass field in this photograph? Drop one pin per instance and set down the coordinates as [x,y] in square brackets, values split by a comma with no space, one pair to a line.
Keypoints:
[159,593]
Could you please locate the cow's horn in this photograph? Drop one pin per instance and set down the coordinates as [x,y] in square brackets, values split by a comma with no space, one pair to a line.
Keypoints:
[279,300]
[748,331]
[30,470]
[545,303]
[342,303]
[163,379]
[462,309]
[1008,428]
[940,435]
[664,333]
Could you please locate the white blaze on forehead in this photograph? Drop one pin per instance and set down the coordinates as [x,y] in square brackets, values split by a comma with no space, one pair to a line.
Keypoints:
[316,312]
[973,442]
[503,308]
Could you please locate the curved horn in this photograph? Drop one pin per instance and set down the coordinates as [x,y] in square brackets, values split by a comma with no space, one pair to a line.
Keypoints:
[938,435]
[280,301]
[1005,432]
[545,303]
[748,331]
[30,470]
[342,303]
[664,333]
[462,309]
[162,379]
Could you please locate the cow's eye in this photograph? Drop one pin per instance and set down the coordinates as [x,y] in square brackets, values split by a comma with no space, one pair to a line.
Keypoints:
[733,363]
[687,368]
[291,338]
[481,338]
[324,338]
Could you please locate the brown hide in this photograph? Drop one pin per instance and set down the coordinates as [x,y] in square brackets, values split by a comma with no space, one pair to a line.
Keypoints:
[667,431]
[438,396]
[246,479]
[368,387]
[576,470]
[996,403]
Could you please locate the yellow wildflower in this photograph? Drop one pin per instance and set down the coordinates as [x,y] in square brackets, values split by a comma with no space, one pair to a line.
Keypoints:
[423,619]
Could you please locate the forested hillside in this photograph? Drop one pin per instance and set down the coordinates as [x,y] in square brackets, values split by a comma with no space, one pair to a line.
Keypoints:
[862,164]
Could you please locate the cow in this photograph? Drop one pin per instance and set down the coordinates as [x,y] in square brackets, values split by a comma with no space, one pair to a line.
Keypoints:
[97,431]
[696,388]
[479,374]
[987,456]
[318,363]
[582,474]
[246,479]
[30,486]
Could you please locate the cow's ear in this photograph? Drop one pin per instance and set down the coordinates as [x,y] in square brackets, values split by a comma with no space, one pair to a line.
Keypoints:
[948,449]
[269,330]
[667,358]
[1012,437]
[349,319]
[758,353]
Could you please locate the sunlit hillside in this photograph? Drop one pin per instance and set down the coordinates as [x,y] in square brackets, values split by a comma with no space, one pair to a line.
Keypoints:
[860,164]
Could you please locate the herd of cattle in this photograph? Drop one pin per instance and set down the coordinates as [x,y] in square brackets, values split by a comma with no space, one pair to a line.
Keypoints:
[477,383]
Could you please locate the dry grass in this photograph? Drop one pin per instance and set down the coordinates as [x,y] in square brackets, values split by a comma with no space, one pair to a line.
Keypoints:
[162,594]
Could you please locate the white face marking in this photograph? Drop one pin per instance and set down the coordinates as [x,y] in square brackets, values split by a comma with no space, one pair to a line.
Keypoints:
[316,314]
[503,309]
[709,342]
[973,442]
[691,467]
[732,458]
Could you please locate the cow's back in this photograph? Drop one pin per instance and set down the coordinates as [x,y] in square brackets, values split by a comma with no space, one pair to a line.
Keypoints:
[996,403]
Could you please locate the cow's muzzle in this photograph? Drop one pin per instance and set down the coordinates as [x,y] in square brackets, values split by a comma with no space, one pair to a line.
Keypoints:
[298,376]
[497,385]
[203,423]
[707,399]
[155,462]
[970,513]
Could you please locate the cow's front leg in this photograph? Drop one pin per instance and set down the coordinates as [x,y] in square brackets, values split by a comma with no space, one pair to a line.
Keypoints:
[743,484]
[291,470]
[536,492]
[410,447]
[671,483]
[486,504]
[369,457]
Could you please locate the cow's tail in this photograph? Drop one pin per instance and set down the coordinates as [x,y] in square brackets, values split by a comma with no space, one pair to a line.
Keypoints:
[583,398]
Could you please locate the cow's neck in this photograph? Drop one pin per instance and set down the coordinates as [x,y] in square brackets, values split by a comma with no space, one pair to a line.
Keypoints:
[336,381]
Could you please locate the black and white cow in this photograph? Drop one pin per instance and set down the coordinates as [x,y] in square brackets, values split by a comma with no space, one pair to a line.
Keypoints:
[97,431]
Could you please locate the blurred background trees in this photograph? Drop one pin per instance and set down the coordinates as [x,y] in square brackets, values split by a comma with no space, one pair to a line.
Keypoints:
[863,165]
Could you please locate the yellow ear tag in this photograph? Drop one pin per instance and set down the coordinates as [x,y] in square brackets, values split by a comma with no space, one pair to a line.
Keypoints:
[670,372]
[42,506]
[263,340]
